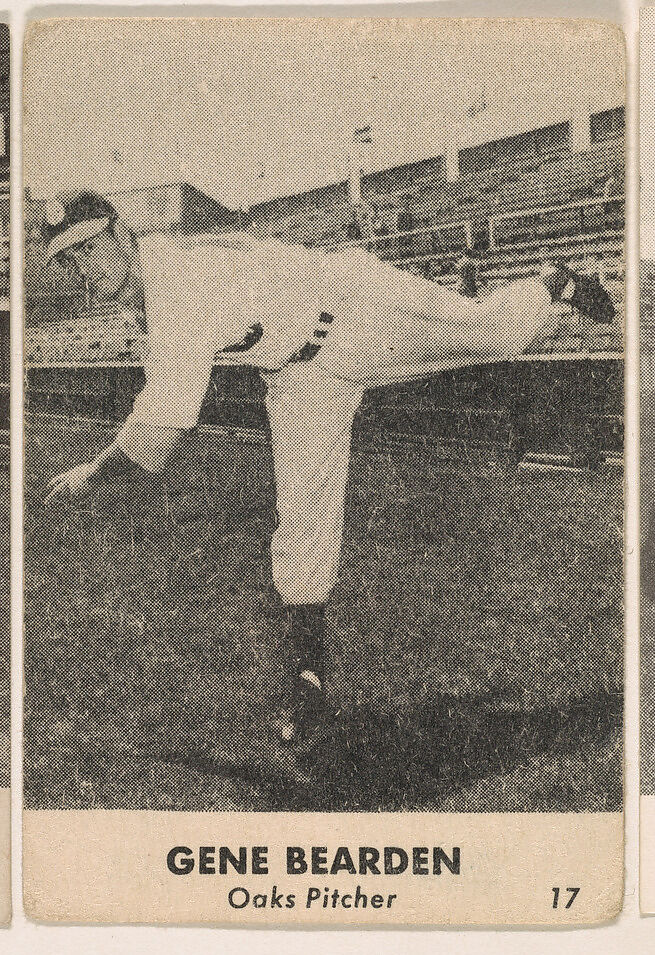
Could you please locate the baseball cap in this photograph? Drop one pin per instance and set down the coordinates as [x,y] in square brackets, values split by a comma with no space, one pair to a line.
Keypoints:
[75,218]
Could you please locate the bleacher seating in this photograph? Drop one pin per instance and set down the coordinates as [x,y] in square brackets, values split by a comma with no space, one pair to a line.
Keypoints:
[98,338]
[534,181]
[565,214]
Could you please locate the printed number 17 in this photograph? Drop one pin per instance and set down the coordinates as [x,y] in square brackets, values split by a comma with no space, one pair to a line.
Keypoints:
[571,900]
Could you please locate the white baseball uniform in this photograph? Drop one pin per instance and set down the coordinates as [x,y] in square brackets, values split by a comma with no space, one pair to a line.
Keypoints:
[321,327]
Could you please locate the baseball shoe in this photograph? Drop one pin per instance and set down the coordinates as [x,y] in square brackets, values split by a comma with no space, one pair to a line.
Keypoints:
[309,713]
[583,292]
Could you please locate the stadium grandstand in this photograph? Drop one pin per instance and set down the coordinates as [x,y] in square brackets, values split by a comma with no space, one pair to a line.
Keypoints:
[507,204]
[516,201]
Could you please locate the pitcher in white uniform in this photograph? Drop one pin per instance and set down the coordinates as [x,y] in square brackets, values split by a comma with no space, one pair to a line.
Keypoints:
[320,327]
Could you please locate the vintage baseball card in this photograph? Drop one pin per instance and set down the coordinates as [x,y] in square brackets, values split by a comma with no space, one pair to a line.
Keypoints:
[323,471]
[647,462]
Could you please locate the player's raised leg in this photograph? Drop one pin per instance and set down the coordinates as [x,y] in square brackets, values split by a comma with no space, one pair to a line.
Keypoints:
[400,326]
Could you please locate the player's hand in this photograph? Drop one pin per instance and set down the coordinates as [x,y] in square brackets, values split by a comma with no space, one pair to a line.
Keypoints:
[69,484]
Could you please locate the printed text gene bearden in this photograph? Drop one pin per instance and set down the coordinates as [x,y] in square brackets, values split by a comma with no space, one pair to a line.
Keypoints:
[316,860]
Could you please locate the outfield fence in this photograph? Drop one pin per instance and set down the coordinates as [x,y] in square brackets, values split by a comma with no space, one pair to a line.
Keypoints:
[552,405]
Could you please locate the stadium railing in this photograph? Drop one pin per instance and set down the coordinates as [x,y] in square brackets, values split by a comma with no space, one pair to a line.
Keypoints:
[565,214]
[405,242]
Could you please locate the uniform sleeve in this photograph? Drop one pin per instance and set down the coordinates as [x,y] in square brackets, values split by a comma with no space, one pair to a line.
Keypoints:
[178,370]
[176,384]
[168,405]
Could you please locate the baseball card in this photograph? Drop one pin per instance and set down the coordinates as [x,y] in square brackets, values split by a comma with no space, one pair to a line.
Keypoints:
[647,462]
[323,471]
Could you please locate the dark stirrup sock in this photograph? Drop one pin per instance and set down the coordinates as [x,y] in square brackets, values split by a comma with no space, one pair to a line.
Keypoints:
[307,629]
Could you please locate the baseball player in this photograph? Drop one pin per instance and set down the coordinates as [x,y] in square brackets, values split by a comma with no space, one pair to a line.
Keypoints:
[321,327]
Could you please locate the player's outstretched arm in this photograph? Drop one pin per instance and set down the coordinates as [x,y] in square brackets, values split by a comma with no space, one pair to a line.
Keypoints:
[137,447]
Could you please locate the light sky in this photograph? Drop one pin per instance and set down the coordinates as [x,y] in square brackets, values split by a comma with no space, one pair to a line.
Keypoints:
[112,104]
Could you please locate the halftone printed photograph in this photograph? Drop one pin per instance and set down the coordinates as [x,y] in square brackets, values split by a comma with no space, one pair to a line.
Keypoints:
[323,470]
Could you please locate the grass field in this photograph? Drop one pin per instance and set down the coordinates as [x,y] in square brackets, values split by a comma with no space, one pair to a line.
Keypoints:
[476,637]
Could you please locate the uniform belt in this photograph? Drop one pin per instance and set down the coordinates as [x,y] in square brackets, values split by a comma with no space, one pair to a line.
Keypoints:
[312,347]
